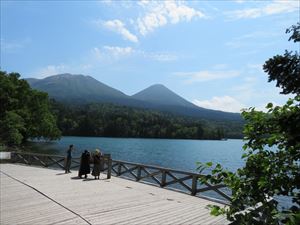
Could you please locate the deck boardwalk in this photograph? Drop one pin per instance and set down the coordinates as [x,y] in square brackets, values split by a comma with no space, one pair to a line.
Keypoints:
[32,195]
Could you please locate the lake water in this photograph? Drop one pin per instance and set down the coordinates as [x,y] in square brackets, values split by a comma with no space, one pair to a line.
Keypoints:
[175,154]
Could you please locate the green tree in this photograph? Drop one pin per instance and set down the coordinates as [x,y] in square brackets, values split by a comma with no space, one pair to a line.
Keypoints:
[285,69]
[120,121]
[268,173]
[24,113]
[12,127]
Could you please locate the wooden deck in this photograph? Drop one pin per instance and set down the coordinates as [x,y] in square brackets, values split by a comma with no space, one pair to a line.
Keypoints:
[32,195]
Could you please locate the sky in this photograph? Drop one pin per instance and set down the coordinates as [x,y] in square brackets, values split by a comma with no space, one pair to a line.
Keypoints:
[209,52]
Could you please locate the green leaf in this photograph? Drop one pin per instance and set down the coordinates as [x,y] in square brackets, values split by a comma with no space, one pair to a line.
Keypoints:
[269,106]
[215,210]
[209,164]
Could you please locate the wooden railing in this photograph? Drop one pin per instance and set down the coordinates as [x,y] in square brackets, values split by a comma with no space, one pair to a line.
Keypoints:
[164,177]
[56,161]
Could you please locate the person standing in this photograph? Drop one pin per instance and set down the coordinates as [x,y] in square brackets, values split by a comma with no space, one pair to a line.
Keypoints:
[84,168]
[69,159]
[97,161]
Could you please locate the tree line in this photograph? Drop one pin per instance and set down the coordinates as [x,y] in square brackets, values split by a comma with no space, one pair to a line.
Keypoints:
[108,120]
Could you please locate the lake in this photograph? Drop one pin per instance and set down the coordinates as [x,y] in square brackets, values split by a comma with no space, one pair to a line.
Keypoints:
[170,153]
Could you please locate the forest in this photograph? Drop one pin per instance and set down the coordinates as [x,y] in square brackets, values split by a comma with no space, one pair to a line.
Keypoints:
[108,120]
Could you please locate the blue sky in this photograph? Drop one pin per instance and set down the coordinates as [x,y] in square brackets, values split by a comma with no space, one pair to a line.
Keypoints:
[209,52]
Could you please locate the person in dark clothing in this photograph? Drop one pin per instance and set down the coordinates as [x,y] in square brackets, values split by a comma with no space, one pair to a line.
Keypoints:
[97,161]
[84,168]
[69,159]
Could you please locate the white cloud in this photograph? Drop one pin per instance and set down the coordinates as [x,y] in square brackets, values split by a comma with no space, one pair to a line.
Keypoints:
[202,76]
[119,27]
[96,53]
[159,14]
[118,51]
[223,103]
[143,2]
[109,52]
[82,68]
[271,8]
[51,70]
[156,14]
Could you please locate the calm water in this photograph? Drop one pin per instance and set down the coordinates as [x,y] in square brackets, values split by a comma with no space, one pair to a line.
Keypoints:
[175,154]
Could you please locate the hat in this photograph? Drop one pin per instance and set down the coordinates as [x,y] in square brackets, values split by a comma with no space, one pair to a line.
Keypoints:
[97,151]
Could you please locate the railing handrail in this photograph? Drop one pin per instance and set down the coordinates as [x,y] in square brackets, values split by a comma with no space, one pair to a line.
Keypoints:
[158,167]
[42,154]
[37,154]
[121,161]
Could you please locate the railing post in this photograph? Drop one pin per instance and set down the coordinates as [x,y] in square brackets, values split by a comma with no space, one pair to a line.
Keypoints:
[45,160]
[139,172]
[109,166]
[194,185]
[119,169]
[65,163]
[13,157]
[163,178]
[29,159]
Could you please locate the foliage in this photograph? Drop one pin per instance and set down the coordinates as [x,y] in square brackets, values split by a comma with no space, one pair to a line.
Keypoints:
[119,121]
[272,155]
[285,69]
[24,112]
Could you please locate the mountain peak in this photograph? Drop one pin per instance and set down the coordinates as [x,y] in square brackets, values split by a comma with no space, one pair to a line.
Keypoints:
[68,76]
[77,88]
[157,86]
[160,94]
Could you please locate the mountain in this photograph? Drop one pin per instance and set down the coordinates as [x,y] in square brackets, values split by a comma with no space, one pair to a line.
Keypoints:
[164,99]
[160,95]
[77,89]
[80,89]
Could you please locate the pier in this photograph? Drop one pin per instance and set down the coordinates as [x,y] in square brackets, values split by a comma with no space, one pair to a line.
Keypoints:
[35,195]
